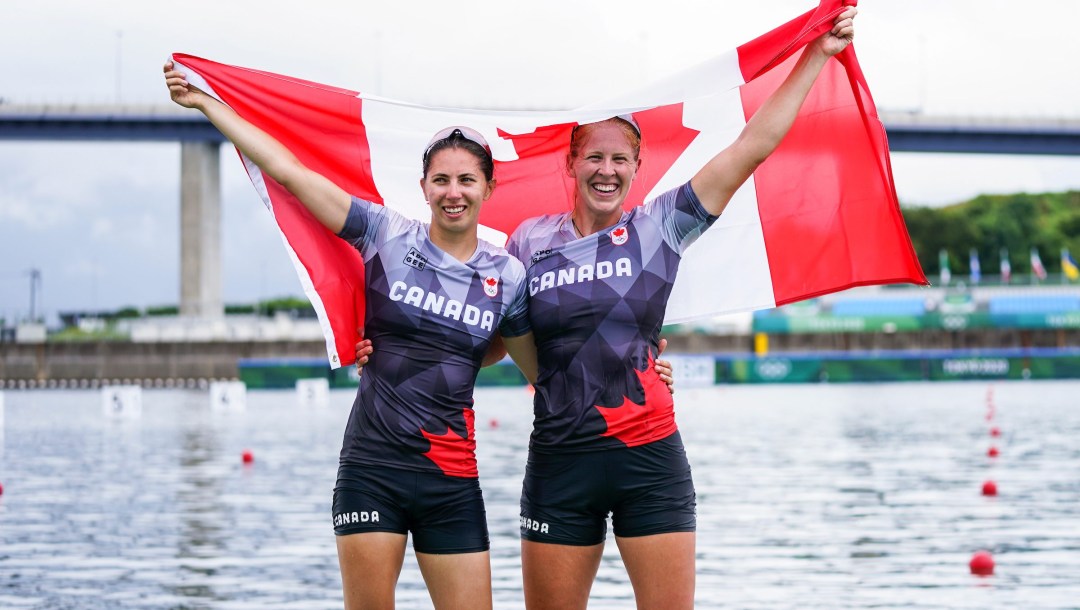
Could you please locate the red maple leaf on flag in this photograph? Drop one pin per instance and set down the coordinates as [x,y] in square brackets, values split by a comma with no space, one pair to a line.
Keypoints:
[537,183]
[635,424]
[453,454]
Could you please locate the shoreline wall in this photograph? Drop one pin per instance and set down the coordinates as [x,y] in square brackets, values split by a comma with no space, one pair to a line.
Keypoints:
[150,362]
[130,360]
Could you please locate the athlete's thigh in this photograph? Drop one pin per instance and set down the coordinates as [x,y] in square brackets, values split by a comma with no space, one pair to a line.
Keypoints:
[654,489]
[457,581]
[370,566]
[368,499]
[448,516]
[558,576]
[661,569]
[565,499]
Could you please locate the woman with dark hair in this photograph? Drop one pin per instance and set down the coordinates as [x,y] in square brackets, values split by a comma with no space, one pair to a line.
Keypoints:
[436,296]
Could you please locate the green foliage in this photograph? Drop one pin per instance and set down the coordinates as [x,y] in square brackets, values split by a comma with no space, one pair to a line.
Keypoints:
[126,312]
[239,309]
[1045,221]
[294,306]
[74,334]
[163,310]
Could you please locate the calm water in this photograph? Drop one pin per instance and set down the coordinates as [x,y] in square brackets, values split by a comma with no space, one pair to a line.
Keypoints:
[843,496]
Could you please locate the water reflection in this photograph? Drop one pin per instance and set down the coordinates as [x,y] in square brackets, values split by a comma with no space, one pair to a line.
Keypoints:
[808,497]
[198,499]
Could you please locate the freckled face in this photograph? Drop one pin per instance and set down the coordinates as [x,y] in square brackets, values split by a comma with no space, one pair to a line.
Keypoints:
[603,170]
[455,187]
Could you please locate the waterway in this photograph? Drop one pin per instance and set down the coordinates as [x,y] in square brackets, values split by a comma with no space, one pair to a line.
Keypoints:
[809,496]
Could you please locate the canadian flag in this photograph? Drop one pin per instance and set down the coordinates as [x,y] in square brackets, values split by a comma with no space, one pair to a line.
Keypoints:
[819,216]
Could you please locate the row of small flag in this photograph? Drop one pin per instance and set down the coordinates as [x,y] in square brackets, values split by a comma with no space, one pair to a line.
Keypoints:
[1068,266]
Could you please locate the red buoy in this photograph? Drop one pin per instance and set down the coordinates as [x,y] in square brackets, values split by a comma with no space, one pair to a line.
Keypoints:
[494,423]
[989,488]
[982,563]
[248,456]
[992,451]
[1,489]
[995,432]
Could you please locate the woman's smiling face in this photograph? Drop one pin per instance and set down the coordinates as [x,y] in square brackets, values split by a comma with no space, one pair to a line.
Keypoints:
[603,167]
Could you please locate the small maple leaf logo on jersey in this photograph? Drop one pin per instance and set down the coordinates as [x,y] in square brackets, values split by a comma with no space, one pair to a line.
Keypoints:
[619,236]
[491,287]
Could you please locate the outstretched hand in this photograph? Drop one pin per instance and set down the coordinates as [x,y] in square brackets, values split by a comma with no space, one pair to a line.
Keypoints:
[181,92]
[841,35]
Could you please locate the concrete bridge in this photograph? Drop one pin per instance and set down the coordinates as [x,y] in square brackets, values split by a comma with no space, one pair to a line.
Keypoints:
[200,198]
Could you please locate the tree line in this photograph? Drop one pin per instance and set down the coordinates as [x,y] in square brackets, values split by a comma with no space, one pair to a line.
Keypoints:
[1047,222]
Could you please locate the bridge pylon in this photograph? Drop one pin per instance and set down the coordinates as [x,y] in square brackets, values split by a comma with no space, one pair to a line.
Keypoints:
[200,230]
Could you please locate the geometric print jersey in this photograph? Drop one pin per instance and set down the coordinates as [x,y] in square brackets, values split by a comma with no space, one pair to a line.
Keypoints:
[596,305]
[431,318]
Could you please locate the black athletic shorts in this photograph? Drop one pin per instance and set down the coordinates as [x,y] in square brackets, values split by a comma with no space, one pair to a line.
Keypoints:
[444,514]
[567,497]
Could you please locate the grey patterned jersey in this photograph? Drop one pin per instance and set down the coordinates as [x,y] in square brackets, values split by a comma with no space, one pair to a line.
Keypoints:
[596,305]
[430,318]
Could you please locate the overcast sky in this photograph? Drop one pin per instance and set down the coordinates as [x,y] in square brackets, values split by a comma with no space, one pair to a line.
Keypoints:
[101,220]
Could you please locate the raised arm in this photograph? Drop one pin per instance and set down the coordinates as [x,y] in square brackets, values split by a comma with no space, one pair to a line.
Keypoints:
[324,199]
[718,180]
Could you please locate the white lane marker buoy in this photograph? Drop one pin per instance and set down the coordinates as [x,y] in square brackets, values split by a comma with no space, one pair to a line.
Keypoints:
[228,396]
[121,401]
[313,393]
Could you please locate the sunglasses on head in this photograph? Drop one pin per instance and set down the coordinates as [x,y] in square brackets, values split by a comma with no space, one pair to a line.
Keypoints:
[629,118]
[456,132]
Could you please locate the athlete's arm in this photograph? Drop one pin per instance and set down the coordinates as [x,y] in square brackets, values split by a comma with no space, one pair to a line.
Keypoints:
[496,351]
[324,199]
[717,182]
[663,368]
[523,350]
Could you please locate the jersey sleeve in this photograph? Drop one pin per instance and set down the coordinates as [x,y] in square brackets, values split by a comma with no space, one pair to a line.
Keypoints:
[515,322]
[368,225]
[682,217]
[515,245]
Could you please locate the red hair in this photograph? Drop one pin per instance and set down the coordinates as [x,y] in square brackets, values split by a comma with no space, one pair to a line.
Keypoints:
[581,131]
